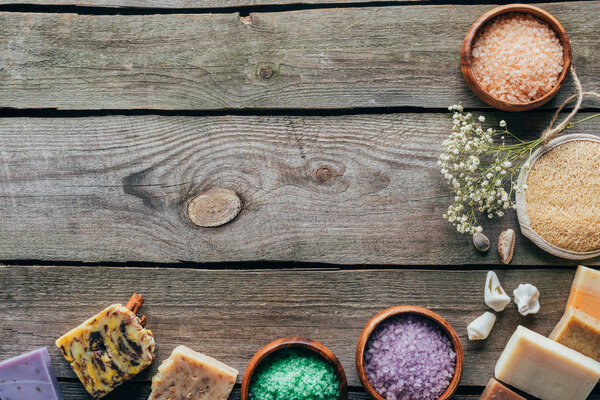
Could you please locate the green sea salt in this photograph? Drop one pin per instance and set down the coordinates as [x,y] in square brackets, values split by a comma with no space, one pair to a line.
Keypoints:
[294,374]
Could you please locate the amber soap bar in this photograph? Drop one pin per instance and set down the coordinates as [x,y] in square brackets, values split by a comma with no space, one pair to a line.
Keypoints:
[189,375]
[585,291]
[497,391]
[580,332]
[108,349]
[546,369]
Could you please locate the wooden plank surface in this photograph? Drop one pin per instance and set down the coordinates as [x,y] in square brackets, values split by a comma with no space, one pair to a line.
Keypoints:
[231,314]
[405,56]
[195,4]
[75,391]
[115,189]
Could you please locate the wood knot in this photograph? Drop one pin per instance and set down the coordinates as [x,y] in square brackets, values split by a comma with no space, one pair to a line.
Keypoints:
[324,174]
[265,72]
[214,208]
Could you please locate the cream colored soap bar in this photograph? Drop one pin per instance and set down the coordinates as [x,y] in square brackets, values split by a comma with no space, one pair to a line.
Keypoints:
[546,369]
[189,375]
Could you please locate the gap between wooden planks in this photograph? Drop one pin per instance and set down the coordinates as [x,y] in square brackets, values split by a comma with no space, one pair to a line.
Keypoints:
[404,56]
[114,189]
[231,314]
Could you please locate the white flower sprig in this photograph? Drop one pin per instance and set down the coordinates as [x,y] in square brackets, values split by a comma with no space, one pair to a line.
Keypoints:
[480,172]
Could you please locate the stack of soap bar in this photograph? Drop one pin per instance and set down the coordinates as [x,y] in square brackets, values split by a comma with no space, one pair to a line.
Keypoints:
[580,332]
[109,348]
[585,292]
[29,376]
[546,369]
[497,391]
[189,375]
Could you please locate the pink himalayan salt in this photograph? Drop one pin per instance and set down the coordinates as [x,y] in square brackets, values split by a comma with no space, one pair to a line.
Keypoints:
[409,357]
[517,58]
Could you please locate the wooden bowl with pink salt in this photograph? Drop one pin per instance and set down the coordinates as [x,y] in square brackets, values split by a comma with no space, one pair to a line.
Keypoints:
[409,352]
[516,57]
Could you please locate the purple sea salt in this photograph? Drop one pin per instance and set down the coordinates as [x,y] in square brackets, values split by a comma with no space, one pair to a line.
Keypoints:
[409,357]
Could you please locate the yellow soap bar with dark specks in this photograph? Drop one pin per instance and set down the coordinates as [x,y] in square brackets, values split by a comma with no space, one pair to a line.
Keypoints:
[108,349]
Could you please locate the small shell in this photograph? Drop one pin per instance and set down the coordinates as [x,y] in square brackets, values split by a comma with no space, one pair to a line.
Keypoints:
[481,242]
[506,245]
[481,326]
[527,299]
[495,297]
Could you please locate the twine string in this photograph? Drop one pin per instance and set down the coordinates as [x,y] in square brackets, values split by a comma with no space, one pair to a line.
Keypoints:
[552,131]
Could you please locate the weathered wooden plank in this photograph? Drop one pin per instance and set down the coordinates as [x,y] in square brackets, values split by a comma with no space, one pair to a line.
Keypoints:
[196,4]
[74,391]
[231,314]
[348,189]
[323,58]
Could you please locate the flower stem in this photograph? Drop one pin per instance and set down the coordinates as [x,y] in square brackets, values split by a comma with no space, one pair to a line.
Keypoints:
[572,124]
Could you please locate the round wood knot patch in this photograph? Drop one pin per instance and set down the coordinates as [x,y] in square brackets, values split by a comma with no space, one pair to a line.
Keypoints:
[214,207]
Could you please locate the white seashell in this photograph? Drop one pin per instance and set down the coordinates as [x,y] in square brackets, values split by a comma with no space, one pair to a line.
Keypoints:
[506,245]
[495,297]
[481,326]
[527,299]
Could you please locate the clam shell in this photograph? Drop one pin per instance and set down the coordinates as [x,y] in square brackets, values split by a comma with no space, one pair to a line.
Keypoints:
[481,242]
[506,245]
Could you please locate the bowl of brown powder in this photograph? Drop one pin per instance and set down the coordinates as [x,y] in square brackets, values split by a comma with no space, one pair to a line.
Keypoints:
[516,57]
[558,203]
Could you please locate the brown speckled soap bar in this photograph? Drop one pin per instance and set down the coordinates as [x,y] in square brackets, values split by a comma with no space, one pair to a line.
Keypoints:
[109,348]
[580,332]
[189,375]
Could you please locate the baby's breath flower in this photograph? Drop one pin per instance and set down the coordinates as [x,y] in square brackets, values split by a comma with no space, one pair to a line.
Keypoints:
[480,171]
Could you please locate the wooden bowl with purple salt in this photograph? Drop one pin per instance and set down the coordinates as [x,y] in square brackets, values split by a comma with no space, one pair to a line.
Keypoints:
[516,57]
[409,352]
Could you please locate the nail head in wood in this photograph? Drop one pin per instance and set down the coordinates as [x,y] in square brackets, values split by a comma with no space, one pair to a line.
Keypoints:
[214,208]
[266,72]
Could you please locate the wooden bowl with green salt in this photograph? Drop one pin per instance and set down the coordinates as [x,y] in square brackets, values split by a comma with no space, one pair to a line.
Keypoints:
[274,370]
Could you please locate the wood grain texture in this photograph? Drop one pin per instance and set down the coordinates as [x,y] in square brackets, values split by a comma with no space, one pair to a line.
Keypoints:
[232,314]
[322,58]
[74,391]
[345,190]
[171,4]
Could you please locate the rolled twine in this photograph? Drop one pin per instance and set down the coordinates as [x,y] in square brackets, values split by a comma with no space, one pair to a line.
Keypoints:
[552,131]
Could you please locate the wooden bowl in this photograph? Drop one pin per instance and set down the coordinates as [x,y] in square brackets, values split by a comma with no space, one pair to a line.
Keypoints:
[300,342]
[423,312]
[466,57]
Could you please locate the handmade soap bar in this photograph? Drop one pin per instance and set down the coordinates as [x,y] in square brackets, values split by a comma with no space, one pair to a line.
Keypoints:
[585,291]
[580,332]
[546,369]
[29,376]
[497,391]
[109,348]
[189,375]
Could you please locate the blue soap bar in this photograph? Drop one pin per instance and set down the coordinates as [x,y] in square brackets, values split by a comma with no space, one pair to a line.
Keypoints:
[29,376]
